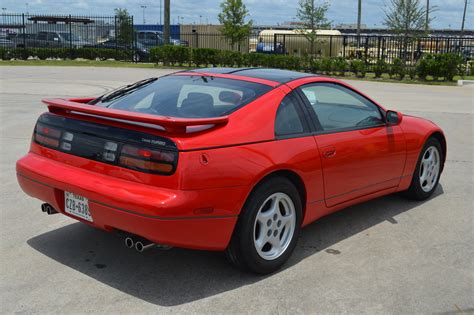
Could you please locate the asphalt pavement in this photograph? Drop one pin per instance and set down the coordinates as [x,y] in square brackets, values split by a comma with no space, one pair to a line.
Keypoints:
[388,255]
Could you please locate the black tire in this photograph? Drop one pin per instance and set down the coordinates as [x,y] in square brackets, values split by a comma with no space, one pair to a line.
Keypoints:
[415,191]
[241,251]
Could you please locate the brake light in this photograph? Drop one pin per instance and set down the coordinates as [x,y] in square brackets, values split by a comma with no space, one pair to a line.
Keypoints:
[149,160]
[47,136]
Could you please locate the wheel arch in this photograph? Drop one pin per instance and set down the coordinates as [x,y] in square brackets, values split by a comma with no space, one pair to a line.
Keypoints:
[293,177]
[442,139]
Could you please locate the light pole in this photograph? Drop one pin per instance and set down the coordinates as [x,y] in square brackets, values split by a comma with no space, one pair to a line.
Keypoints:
[359,21]
[27,5]
[464,17]
[143,7]
[161,12]
[427,17]
[200,19]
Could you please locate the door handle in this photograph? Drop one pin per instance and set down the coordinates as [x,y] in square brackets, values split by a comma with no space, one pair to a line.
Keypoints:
[329,152]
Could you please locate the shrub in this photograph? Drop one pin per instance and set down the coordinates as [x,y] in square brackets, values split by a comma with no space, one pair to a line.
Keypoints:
[255,59]
[380,68]
[205,56]
[171,54]
[157,54]
[425,67]
[315,65]
[282,62]
[398,69]
[327,65]
[230,58]
[411,71]
[359,68]
[441,65]
[340,65]
[65,53]
[449,65]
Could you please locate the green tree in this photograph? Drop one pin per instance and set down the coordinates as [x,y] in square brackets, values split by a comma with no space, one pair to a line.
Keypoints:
[124,26]
[407,19]
[233,20]
[312,16]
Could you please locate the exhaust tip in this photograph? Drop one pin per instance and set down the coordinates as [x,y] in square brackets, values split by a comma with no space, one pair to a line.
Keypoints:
[129,242]
[141,247]
[47,208]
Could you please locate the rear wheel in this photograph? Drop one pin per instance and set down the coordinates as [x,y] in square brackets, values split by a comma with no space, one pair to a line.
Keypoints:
[268,227]
[427,172]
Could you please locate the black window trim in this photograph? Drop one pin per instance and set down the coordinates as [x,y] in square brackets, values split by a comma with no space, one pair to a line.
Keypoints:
[300,109]
[314,118]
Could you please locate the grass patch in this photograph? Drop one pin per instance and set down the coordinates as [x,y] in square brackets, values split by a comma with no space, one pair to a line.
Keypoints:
[386,79]
[81,63]
[124,64]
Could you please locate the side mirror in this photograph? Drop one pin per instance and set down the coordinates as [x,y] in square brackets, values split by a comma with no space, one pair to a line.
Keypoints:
[394,118]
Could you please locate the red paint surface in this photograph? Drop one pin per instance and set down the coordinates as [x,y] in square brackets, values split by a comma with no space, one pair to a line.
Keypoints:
[198,206]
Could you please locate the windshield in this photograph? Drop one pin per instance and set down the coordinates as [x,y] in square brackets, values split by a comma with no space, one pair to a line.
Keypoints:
[69,37]
[184,96]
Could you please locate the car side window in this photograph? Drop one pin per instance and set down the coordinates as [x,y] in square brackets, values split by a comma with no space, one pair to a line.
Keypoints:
[288,120]
[339,108]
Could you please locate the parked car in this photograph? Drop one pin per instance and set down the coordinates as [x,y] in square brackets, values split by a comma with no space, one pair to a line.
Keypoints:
[234,160]
[58,39]
[6,43]
[155,38]
[141,53]
[22,40]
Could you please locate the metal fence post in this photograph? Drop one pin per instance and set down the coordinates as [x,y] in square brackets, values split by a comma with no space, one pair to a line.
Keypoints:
[330,46]
[378,47]
[344,44]
[274,43]
[70,38]
[24,36]
[133,41]
[115,31]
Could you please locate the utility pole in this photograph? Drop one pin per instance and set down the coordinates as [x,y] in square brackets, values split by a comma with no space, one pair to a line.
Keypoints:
[143,7]
[161,12]
[427,20]
[166,31]
[464,17]
[359,21]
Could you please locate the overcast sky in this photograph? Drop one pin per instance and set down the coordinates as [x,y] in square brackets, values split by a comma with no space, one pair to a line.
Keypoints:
[448,14]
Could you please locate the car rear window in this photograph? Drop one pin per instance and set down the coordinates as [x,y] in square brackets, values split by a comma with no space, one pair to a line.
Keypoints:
[182,96]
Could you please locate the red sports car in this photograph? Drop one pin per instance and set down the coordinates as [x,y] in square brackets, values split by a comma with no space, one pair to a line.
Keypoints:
[234,160]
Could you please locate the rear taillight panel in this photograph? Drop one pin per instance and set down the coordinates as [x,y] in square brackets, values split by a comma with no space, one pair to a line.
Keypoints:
[108,144]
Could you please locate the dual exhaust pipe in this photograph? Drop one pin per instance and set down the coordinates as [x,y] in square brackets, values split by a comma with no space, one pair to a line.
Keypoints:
[141,244]
[49,209]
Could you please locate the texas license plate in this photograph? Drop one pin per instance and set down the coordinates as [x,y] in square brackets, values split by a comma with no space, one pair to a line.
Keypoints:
[77,206]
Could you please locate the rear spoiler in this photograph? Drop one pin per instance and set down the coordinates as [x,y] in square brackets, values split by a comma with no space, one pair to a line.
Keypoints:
[170,124]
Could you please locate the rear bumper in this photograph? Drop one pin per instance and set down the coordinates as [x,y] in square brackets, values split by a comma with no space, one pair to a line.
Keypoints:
[202,219]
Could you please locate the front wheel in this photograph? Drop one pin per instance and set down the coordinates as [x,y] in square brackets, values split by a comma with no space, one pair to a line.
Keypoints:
[427,172]
[268,228]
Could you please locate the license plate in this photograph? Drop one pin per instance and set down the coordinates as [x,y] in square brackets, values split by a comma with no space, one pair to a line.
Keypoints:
[77,206]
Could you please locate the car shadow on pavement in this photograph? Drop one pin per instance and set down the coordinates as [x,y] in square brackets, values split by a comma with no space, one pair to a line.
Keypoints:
[178,276]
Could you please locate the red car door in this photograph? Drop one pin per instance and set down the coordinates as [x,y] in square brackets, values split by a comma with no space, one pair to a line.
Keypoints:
[360,153]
